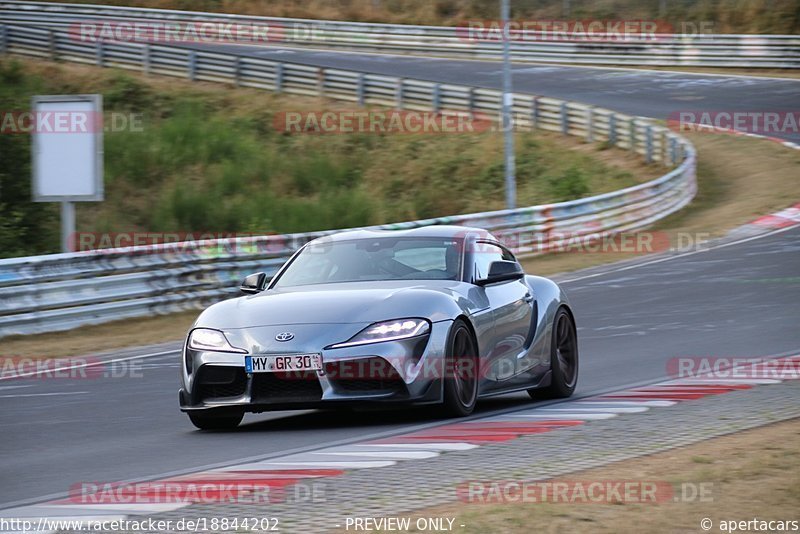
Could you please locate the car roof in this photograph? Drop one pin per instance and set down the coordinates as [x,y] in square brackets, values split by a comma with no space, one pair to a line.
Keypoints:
[437,231]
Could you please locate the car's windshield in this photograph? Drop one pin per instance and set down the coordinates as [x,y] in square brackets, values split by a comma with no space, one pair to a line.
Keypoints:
[382,258]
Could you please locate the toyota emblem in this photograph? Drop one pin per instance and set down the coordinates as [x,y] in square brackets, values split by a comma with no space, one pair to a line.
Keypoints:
[284,336]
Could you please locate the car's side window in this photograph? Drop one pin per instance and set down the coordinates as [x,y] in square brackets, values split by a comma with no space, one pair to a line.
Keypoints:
[485,254]
[508,256]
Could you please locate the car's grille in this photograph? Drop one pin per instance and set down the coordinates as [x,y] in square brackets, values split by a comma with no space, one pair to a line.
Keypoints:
[370,375]
[220,382]
[295,386]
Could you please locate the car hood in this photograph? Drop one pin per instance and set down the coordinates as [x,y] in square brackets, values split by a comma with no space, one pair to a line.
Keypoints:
[340,303]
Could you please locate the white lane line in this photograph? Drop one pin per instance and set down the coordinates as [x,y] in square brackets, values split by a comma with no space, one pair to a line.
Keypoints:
[455,446]
[273,465]
[333,465]
[721,382]
[650,403]
[390,455]
[2,388]
[89,364]
[565,415]
[363,447]
[18,395]
[599,409]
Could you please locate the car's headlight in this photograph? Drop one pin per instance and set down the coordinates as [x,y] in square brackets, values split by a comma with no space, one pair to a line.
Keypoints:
[388,331]
[206,339]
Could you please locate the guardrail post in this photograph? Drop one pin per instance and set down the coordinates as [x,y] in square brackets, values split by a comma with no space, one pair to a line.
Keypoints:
[535,113]
[360,89]
[146,59]
[53,45]
[590,125]
[192,65]
[471,99]
[399,93]
[648,152]
[100,52]
[3,39]
[564,119]
[632,127]
[436,97]
[673,150]
[279,77]
[320,81]
[237,71]
[612,129]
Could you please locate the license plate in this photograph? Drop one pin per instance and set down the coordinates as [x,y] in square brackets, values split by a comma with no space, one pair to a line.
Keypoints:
[287,362]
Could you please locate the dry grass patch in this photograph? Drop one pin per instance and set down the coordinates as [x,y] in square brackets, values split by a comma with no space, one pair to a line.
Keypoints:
[739,179]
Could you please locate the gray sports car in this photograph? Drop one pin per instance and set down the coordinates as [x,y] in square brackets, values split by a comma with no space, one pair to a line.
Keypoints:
[438,315]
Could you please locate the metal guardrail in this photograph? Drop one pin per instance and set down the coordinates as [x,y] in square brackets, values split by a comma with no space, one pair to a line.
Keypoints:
[63,291]
[702,50]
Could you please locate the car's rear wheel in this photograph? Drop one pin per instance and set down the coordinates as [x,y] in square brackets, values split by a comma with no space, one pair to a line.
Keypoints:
[563,359]
[461,371]
[217,420]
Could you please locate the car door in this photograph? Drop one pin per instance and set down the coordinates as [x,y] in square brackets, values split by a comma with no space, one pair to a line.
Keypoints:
[511,303]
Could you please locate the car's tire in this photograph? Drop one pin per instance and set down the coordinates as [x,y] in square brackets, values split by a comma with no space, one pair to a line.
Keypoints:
[461,371]
[563,359]
[217,420]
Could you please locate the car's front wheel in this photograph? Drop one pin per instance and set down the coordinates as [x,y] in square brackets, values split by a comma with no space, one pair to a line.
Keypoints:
[217,420]
[461,371]
[563,359]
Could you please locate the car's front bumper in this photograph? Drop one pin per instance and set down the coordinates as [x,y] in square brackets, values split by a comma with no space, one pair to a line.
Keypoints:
[404,371]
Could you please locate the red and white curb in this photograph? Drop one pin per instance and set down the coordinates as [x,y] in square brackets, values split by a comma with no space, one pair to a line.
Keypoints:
[782,219]
[779,220]
[277,475]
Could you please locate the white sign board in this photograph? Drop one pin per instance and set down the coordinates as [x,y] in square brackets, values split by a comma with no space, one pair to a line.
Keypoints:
[67,148]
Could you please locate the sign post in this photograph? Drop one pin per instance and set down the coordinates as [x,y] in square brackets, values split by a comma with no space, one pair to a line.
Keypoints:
[67,154]
[67,224]
[508,107]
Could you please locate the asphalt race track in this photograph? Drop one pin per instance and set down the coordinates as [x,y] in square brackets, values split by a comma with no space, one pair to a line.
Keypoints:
[740,299]
[655,94]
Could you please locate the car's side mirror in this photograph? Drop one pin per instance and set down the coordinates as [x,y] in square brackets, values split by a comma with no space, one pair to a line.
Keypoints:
[502,271]
[254,283]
